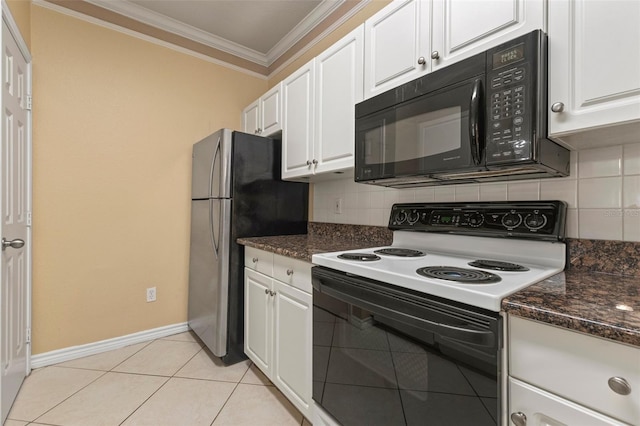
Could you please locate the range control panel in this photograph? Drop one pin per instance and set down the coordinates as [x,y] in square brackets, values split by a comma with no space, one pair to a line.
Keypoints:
[517,219]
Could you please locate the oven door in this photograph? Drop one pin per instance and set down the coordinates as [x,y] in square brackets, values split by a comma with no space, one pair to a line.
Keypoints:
[436,132]
[388,356]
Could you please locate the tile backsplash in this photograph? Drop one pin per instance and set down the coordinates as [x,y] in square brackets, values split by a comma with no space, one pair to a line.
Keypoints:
[602,192]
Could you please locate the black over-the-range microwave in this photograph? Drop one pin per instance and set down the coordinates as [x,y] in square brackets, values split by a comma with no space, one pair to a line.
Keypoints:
[483,118]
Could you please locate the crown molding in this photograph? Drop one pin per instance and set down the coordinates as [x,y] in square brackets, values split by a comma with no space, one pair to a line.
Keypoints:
[361,5]
[319,14]
[81,16]
[162,22]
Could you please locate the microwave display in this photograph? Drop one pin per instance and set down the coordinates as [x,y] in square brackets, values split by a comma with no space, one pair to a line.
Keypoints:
[508,56]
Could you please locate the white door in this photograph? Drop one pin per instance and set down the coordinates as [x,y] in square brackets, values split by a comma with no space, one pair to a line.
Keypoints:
[594,65]
[397,43]
[250,117]
[271,111]
[258,315]
[297,129]
[462,28]
[292,345]
[338,89]
[15,267]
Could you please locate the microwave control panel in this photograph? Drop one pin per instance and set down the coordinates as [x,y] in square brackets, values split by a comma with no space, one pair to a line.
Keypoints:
[510,101]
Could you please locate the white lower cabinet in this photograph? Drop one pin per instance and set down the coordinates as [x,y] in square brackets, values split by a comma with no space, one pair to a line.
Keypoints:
[278,326]
[561,377]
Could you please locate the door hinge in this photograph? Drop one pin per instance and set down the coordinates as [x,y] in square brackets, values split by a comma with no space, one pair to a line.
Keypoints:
[29,220]
[29,102]
[28,338]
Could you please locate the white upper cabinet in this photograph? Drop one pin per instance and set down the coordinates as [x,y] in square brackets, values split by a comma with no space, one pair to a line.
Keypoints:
[264,116]
[462,28]
[319,111]
[251,118]
[297,131]
[338,88]
[594,72]
[397,45]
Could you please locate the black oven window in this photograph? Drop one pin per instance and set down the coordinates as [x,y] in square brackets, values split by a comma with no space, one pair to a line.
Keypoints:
[366,372]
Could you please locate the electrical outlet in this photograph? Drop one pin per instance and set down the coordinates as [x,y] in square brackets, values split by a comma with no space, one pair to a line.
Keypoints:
[151,294]
[337,205]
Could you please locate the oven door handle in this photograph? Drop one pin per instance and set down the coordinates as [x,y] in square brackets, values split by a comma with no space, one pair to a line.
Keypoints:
[475,122]
[446,331]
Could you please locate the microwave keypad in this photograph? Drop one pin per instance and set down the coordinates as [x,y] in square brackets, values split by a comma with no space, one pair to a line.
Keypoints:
[507,99]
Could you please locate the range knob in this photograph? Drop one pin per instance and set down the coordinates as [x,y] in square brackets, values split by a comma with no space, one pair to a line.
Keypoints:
[476,219]
[511,220]
[400,216]
[535,220]
[413,217]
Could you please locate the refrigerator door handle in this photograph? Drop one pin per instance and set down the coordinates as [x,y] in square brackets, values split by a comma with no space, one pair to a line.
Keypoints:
[213,168]
[214,241]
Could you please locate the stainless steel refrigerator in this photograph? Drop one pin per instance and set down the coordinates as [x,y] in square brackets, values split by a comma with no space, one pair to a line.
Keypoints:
[236,192]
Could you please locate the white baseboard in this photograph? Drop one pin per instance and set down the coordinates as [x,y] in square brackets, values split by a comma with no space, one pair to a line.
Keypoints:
[74,352]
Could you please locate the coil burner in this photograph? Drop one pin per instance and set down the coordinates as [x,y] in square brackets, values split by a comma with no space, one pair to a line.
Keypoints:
[400,252]
[359,257]
[461,275]
[497,265]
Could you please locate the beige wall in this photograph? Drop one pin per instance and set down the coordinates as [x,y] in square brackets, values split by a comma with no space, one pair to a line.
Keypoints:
[114,121]
[21,12]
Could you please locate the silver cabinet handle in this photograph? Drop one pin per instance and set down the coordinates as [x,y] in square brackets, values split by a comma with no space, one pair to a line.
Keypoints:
[314,162]
[266,291]
[619,385]
[259,130]
[435,55]
[519,419]
[308,163]
[16,244]
[557,107]
[289,271]
[272,293]
[254,260]
[422,60]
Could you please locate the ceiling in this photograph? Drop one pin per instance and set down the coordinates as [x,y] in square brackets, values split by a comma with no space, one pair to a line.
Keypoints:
[260,31]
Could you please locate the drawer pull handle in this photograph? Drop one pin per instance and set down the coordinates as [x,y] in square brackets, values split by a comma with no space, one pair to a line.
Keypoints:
[519,419]
[272,293]
[619,385]
[254,260]
[289,271]
[266,291]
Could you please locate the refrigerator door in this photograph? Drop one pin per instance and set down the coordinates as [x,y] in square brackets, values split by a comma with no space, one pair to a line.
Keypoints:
[211,174]
[209,272]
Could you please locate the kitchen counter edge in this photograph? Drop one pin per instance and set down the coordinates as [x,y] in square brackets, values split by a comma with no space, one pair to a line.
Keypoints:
[598,304]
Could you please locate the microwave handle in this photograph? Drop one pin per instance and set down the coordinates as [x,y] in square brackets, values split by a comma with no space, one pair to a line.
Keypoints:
[475,121]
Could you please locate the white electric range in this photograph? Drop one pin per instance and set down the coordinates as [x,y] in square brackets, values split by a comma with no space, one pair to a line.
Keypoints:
[412,333]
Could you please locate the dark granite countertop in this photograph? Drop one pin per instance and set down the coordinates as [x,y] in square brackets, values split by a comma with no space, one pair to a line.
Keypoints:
[300,247]
[596,303]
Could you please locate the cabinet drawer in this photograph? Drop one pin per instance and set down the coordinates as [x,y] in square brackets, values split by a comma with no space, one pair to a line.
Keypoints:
[291,271]
[576,366]
[258,260]
[545,409]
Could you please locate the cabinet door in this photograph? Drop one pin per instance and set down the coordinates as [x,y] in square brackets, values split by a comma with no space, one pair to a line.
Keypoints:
[594,64]
[338,89]
[271,111]
[250,118]
[297,130]
[258,314]
[292,345]
[545,409]
[396,45]
[462,28]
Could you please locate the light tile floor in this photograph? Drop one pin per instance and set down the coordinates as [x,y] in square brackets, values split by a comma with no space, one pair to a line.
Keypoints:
[172,381]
